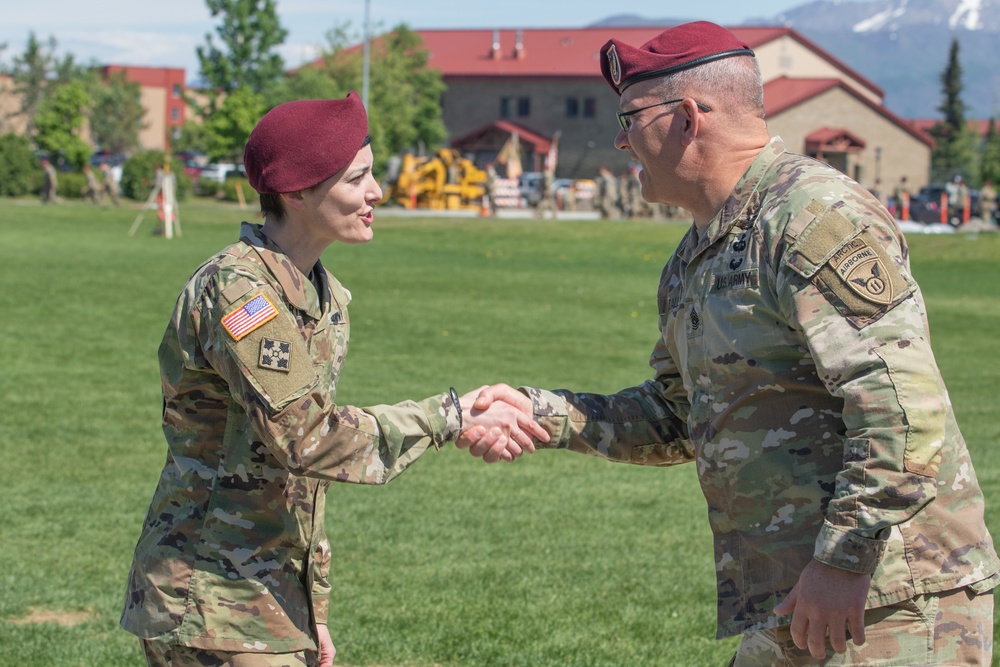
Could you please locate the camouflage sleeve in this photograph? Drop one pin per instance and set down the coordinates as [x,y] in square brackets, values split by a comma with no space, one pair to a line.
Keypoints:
[293,411]
[845,283]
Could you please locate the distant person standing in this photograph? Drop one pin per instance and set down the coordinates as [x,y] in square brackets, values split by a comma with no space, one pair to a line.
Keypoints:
[51,184]
[92,190]
[607,193]
[987,201]
[902,199]
[110,183]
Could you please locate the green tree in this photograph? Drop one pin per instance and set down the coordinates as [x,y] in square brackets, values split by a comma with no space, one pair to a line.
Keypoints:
[989,164]
[249,32]
[59,121]
[954,153]
[227,130]
[20,172]
[116,116]
[404,111]
[192,138]
[38,73]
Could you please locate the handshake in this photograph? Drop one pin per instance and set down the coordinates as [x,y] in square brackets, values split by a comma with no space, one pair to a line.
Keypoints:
[497,424]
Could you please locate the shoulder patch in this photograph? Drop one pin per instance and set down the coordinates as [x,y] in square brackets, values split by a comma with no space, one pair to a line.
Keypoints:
[849,266]
[249,316]
[861,265]
[275,354]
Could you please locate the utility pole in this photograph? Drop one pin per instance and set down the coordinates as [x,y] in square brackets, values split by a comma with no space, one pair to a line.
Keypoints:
[367,56]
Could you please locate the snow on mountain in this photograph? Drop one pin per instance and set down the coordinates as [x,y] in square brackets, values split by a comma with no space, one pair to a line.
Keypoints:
[881,20]
[966,16]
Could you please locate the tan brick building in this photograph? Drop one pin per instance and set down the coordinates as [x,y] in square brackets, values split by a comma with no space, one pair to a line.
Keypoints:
[548,80]
[161,94]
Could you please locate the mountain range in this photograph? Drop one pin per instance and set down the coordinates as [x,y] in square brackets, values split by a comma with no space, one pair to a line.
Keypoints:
[900,45]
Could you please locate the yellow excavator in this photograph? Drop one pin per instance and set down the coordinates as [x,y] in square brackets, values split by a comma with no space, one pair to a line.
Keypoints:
[445,181]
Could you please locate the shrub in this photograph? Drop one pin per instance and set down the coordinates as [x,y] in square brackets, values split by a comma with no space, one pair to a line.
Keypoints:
[249,194]
[20,173]
[139,175]
[71,184]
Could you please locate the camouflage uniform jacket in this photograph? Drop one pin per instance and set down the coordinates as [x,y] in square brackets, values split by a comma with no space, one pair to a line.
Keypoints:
[233,555]
[794,368]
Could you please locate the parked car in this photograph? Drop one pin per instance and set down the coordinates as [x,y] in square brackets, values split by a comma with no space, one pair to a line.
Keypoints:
[217,171]
[925,206]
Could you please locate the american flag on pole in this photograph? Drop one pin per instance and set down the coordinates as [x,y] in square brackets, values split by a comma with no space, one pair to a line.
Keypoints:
[251,315]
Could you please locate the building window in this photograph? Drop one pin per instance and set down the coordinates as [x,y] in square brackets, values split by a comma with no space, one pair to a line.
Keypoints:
[589,107]
[175,114]
[505,107]
[572,107]
[177,91]
[523,107]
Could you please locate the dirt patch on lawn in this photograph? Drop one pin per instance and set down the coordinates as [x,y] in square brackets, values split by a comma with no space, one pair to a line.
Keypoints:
[67,619]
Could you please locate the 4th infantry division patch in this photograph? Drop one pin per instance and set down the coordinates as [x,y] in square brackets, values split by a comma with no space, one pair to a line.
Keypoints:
[250,316]
[275,355]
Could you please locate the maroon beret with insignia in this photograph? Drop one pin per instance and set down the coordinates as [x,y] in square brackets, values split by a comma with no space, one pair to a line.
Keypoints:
[299,144]
[675,49]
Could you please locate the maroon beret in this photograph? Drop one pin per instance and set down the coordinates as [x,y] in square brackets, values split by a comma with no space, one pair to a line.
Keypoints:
[673,50]
[299,144]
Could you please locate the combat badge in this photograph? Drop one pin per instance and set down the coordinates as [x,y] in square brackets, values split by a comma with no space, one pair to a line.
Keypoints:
[275,355]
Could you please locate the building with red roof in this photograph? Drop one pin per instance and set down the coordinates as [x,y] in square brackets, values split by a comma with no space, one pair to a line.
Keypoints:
[544,82]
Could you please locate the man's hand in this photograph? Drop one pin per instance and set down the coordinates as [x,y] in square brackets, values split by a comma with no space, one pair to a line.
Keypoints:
[499,424]
[327,651]
[826,601]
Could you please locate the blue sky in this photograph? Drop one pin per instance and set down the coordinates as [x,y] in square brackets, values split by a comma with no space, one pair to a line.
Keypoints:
[165,32]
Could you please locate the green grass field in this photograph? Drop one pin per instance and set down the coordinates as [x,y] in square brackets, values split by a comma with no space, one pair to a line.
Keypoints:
[556,560]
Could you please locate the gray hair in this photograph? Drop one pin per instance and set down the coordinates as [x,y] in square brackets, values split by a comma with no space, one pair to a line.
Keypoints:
[732,84]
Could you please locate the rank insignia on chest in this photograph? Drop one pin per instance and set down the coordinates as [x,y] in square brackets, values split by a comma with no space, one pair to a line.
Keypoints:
[249,317]
[275,355]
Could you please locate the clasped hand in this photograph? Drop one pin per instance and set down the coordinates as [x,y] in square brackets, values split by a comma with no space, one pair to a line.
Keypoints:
[498,424]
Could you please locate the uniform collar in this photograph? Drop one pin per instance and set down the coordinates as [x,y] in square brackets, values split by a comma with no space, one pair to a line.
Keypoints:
[298,289]
[743,205]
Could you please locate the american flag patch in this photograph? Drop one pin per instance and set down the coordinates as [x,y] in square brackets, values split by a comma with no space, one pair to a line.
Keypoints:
[251,315]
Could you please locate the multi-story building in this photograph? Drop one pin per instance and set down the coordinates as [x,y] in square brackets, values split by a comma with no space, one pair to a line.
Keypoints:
[544,82]
[162,96]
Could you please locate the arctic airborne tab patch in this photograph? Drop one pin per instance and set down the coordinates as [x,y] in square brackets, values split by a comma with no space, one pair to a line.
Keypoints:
[863,270]
[249,317]
[275,355]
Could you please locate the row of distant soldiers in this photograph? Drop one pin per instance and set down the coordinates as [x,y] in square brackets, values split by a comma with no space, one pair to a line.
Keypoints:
[621,197]
[94,191]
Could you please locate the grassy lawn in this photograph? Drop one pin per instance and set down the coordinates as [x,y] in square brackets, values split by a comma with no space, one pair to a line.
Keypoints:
[556,560]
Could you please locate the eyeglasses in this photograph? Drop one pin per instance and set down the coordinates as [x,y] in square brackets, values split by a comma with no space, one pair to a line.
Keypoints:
[625,117]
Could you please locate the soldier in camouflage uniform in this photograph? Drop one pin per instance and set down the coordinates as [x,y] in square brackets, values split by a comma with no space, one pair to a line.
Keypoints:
[233,563]
[794,368]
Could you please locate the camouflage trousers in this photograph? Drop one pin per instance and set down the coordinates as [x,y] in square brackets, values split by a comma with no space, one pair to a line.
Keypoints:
[158,654]
[949,628]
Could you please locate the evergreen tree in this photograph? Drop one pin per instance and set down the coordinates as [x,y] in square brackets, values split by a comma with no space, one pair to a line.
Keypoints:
[954,154]
[38,73]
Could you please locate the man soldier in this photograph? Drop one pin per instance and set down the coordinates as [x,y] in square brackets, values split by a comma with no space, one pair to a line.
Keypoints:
[794,366]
